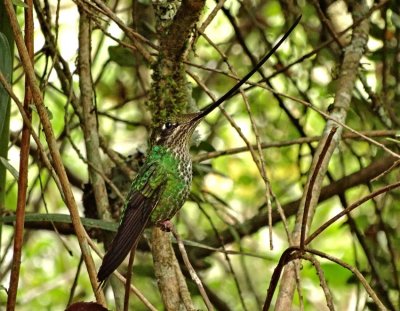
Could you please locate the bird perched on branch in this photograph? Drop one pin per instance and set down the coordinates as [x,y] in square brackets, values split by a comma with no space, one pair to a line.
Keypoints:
[163,183]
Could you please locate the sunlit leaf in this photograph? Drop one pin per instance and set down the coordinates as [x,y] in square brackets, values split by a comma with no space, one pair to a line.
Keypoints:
[19,3]
[9,167]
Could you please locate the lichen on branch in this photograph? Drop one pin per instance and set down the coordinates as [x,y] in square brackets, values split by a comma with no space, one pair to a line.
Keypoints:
[170,93]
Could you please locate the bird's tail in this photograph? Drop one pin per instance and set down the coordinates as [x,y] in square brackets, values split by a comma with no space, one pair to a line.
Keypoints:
[133,223]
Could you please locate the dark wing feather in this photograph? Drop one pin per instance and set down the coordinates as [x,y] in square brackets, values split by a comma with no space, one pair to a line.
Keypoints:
[136,216]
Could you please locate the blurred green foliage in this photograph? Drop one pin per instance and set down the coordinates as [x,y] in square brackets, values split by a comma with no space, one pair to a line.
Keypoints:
[228,188]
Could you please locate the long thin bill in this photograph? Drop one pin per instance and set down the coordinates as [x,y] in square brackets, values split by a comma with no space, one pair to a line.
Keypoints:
[236,87]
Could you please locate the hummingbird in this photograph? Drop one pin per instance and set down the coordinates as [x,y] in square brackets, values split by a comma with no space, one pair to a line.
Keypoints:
[163,183]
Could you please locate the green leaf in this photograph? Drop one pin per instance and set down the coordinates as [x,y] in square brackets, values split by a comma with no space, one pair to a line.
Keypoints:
[205,146]
[122,56]
[395,19]
[19,3]
[6,69]
[10,168]
[64,218]
[393,140]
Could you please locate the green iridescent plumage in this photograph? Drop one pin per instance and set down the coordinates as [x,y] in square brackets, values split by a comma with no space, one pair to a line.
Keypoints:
[162,170]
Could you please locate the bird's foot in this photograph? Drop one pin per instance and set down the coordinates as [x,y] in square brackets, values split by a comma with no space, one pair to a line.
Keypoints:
[165,225]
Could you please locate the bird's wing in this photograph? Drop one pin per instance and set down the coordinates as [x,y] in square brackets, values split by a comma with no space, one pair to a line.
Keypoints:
[139,205]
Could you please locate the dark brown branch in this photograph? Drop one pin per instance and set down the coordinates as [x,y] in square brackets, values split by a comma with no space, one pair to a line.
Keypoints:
[310,188]
[23,171]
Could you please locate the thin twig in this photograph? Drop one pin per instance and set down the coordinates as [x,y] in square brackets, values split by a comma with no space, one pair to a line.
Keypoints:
[321,112]
[349,209]
[75,282]
[374,8]
[261,167]
[225,252]
[35,137]
[129,277]
[183,288]
[343,94]
[295,252]
[138,294]
[117,159]
[53,147]
[321,157]
[23,173]
[322,281]
[327,23]
[355,271]
[102,8]
[327,116]
[192,272]
[297,141]
[211,16]
[288,255]
[44,200]
[95,169]
[89,122]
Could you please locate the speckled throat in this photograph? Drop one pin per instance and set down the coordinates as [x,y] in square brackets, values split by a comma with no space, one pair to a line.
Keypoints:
[171,148]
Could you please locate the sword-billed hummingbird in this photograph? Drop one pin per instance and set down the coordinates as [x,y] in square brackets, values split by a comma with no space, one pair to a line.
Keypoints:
[163,183]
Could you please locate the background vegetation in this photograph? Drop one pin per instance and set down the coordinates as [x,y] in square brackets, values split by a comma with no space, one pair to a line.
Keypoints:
[311,136]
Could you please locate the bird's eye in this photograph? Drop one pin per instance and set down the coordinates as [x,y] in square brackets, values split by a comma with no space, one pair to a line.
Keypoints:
[167,125]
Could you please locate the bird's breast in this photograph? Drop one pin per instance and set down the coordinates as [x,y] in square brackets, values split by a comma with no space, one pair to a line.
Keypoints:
[175,192]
